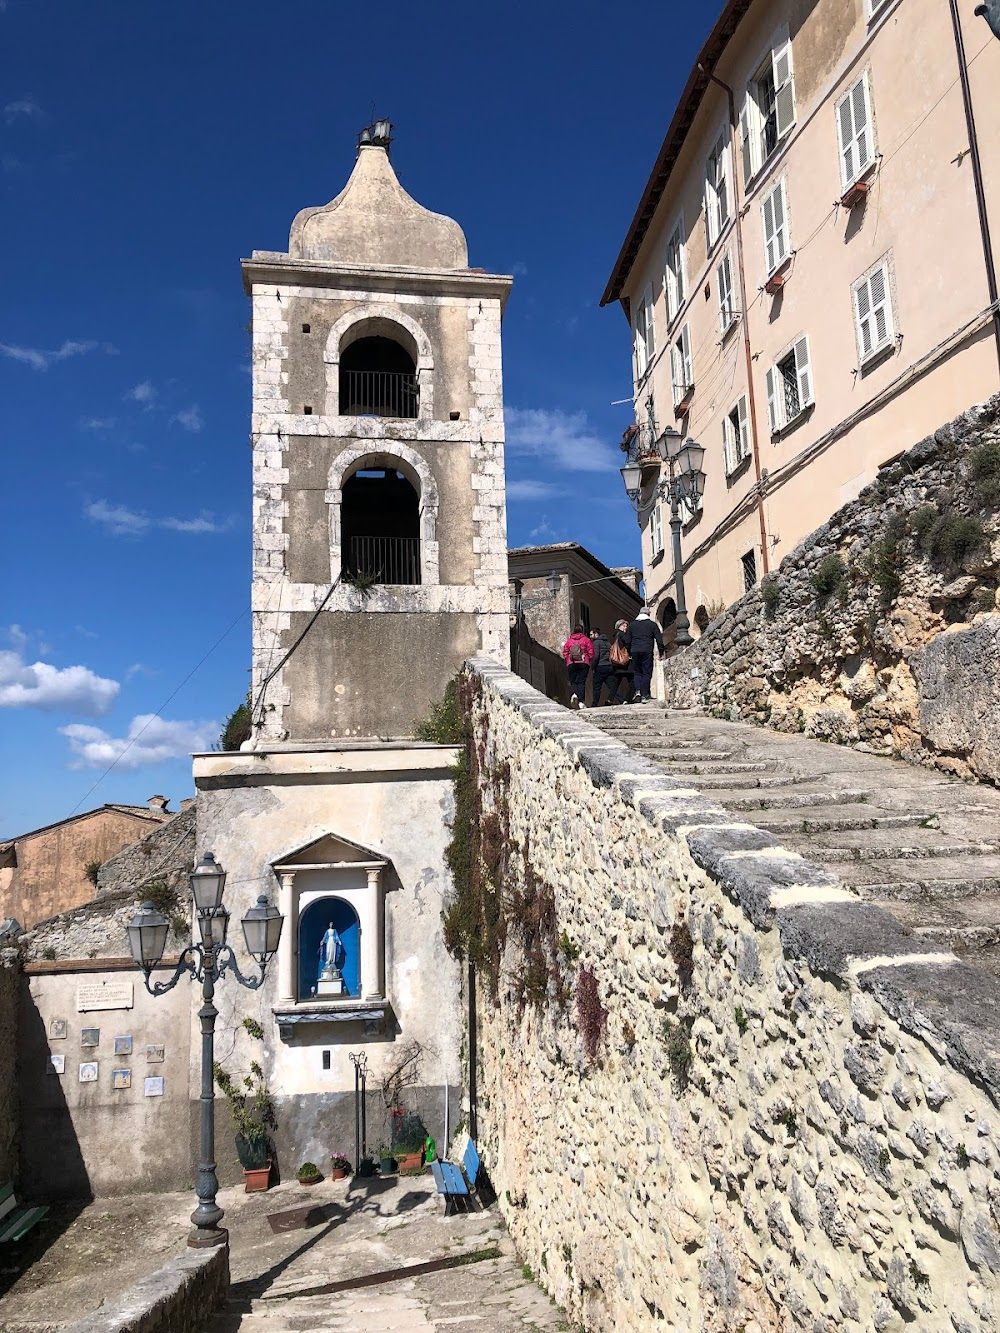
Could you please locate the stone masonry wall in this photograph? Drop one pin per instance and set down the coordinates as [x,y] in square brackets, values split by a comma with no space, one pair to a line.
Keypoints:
[878,630]
[734,1097]
[166,856]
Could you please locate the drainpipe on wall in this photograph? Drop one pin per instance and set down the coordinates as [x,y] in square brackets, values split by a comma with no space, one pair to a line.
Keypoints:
[754,440]
[977,171]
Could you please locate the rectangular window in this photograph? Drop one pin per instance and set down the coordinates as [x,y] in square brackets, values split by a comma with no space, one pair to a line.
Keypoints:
[643,334]
[717,190]
[727,300]
[873,313]
[874,6]
[656,531]
[855,132]
[774,211]
[749,563]
[768,108]
[736,436]
[680,365]
[789,387]
[585,617]
[673,279]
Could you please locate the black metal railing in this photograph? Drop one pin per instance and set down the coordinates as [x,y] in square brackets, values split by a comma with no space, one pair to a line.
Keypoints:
[378,393]
[385,559]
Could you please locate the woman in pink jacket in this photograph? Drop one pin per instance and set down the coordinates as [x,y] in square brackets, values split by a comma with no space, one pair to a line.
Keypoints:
[578,653]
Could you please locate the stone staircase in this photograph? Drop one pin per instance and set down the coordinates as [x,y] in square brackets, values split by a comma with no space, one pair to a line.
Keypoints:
[921,845]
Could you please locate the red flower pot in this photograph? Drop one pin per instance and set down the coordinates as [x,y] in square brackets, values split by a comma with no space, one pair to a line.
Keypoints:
[258,1179]
[338,1173]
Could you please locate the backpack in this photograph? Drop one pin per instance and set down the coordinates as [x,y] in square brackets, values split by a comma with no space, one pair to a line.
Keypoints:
[575,652]
[618,654]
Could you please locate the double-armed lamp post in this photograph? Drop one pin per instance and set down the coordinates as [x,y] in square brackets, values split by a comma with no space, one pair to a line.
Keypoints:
[206,962]
[685,483]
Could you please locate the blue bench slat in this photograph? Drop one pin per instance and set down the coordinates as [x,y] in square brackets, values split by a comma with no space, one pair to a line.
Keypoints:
[471,1162]
[448,1178]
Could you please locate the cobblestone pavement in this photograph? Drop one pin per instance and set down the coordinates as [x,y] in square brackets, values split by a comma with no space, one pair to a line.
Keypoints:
[923,846]
[354,1231]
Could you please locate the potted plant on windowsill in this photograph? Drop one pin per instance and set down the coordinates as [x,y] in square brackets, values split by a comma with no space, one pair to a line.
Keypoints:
[308,1174]
[252,1109]
[339,1166]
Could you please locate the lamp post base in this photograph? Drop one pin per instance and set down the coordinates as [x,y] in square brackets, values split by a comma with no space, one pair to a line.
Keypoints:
[204,1238]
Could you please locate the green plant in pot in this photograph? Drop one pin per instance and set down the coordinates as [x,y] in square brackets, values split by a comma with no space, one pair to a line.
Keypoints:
[252,1110]
[308,1174]
[409,1136]
[386,1161]
[339,1165]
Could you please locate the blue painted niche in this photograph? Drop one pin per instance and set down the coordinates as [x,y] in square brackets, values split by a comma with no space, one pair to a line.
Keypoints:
[312,927]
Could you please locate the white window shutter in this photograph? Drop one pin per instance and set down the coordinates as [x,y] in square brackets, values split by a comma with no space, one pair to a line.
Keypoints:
[854,130]
[728,445]
[878,287]
[775,229]
[744,433]
[784,90]
[686,355]
[804,372]
[724,276]
[650,329]
[676,374]
[863,315]
[723,186]
[746,146]
[641,351]
[773,408]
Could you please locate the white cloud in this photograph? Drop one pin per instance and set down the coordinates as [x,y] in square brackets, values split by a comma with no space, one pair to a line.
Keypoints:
[532,490]
[38,685]
[39,359]
[24,106]
[190,418]
[121,521]
[143,392]
[562,438]
[97,423]
[116,518]
[149,740]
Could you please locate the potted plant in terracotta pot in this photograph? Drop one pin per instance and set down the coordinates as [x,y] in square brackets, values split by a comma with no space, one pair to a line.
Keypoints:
[308,1174]
[339,1166]
[252,1109]
[409,1134]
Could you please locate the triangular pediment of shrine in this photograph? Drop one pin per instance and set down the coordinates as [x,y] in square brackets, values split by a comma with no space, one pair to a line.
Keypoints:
[330,849]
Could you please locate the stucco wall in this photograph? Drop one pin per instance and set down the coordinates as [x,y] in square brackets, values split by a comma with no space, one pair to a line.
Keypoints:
[90,1139]
[10,975]
[51,864]
[257,809]
[907,670]
[789,1114]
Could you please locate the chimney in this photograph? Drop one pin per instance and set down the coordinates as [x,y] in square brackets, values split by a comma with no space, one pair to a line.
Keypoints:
[187,802]
[158,804]
[629,576]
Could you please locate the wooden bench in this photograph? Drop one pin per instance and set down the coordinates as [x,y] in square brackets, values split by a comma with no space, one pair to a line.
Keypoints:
[16,1220]
[457,1188]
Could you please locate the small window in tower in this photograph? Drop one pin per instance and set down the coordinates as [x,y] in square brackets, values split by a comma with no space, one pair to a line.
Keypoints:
[307,411]
[326,1059]
[307,328]
[381,528]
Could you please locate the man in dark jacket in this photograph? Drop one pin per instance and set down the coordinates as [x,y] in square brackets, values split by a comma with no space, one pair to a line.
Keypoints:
[643,635]
[602,666]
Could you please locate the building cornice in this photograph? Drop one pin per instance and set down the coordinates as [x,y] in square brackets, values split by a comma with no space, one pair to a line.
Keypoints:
[677,132]
[274,268]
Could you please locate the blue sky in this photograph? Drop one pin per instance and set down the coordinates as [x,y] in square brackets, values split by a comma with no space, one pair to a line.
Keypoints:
[144,148]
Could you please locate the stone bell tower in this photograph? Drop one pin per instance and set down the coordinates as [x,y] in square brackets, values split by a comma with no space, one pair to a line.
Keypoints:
[379,522]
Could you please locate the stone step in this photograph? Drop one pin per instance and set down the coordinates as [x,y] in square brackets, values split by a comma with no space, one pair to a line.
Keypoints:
[924,881]
[684,764]
[691,753]
[885,845]
[739,782]
[789,799]
[837,817]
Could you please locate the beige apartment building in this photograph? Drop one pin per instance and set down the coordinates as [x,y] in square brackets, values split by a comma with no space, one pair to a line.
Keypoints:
[806,276]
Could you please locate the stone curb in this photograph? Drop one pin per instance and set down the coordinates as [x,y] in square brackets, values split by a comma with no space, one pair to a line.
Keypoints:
[931,995]
[177,1298]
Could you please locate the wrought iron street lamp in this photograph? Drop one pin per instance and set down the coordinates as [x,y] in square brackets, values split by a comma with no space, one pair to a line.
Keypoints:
[685,484]
[206,962]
